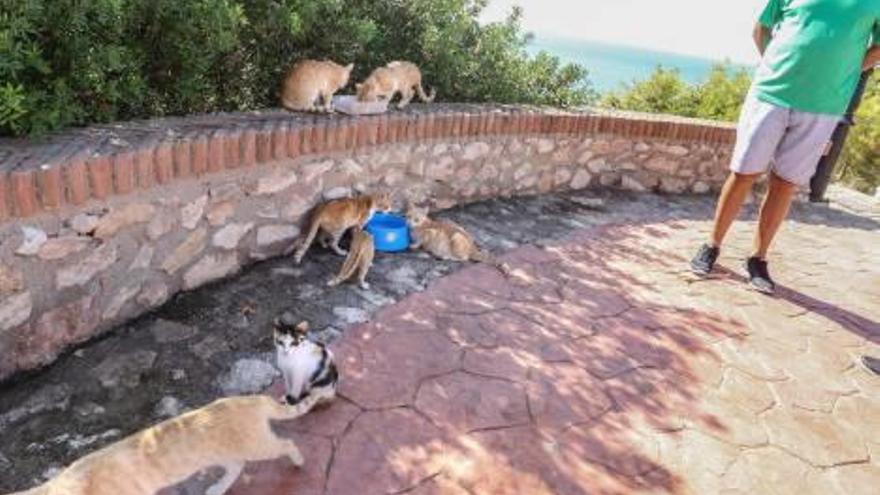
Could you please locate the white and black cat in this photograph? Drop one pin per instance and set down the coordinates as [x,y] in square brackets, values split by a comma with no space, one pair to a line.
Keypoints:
[308,367]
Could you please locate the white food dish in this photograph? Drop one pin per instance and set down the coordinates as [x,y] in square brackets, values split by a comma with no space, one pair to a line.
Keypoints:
[348,104]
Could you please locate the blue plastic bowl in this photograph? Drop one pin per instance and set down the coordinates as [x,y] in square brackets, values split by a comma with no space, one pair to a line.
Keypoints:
[390,232]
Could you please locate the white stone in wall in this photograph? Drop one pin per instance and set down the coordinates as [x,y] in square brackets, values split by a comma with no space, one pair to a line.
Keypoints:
[15,310]
[488,172]
[160,225]
[275,183]
[700,187]
[62,247]
[84,270]
[210,268]
[631,184]
[121,297]
[441,169]
[84,223]
[143,258]
[11,280]
[676,150]
[662,164]
[337,193]
[642,147]
[585,157]
[229,236]
[609,179]
[34,238]
[439,149]
[351,167]
[545,146]
[312,171]
[673,185]
[123,217]
[524,170]
[153,294]
[581,179]
[561,176]
[219,213]
[473,151]
[271,234]
[186,251]
[598,166]
[192,212]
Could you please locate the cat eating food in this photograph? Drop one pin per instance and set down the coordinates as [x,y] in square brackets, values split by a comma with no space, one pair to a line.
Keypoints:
[396,77]
[310,80]
[228,433]
[308,368]
[359,260]
[337,216]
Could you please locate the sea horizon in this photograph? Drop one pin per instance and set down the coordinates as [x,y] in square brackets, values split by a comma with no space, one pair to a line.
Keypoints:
[611,66]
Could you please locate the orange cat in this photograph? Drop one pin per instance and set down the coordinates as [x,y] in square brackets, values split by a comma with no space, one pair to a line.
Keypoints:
[337,216]
[396,77]
[228,433]
[360,259]
[310,80]
[445,239]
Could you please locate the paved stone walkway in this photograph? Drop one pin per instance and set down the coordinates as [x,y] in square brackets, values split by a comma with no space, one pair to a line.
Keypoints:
[602,366]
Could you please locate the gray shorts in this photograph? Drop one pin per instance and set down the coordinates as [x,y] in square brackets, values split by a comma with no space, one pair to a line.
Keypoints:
[789,142]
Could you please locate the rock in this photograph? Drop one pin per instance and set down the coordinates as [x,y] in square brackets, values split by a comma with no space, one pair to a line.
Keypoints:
[442,169]
[439,149]
[160,225]
[593,203]
[630,184]
[247,376]
[672,185]
[178,374]
[220,213]
[124,368]
[523,171]
[89,410]
[168,407]
[119,299]
[209,346]
[186,251]
[143,258]
[676,150]
[11,280]
[83,271]
[225,192]
[272,234]
[327,335]
[405,278]
[34,238]
[47,398]
[700,187]
[153,294]
[84,223]
[229,236]
[642,147]
[337,193]
[165,331]
[275,183]
[609,180]
[192,212]
[312,171]
[598,166]
[662,164]
[581,179]
[80,441]
[351,315]
[62,247]
[561,176]
[545,146]
[5,463]
[116,220]
[585,157]
[473,151]
[57,327]
[210,268]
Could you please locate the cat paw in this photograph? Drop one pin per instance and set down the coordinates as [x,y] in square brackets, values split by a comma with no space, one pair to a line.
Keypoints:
[341,252]
[364,285]
[296,458]
[332,283]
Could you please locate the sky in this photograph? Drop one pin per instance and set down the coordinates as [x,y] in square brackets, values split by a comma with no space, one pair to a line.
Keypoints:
[715,29]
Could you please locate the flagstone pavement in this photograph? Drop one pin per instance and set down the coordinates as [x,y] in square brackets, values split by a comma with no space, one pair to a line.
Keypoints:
[600,365]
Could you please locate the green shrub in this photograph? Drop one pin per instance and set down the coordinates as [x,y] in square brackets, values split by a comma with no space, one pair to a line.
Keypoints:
[75,62]
[859,165]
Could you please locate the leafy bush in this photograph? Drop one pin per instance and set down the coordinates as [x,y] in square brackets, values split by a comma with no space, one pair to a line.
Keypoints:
[74,62]
[859,165]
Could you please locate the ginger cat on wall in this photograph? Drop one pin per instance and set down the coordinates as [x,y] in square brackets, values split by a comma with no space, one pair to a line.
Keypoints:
[337,216]
[359,260]
[228,432]
[396,77]
[445,239]
[310,80]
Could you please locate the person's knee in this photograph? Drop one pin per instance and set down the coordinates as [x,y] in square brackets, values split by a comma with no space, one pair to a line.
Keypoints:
[782,183]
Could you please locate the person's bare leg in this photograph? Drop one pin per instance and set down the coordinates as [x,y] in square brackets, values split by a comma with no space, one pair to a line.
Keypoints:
[774,209]
[733,194]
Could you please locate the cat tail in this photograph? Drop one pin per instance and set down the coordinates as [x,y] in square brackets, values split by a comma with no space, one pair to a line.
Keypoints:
[314,226]
[281,411]
[424,96]
[349,266]
[481,256]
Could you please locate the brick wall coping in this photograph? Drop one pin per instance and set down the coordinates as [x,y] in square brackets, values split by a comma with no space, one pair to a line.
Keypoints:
[74,166]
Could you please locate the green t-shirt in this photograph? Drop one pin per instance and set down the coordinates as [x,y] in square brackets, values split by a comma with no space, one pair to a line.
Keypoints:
[814,59]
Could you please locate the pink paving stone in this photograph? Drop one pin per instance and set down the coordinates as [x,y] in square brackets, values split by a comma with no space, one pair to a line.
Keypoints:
[386,370]
[281,476]
[467,331]
[386,452]
[562,395]
[503,362]
[467,402]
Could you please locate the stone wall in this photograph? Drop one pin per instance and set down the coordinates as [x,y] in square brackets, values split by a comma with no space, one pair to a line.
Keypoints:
[91,241]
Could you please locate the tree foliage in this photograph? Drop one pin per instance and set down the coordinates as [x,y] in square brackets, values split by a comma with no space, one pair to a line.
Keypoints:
[73,62]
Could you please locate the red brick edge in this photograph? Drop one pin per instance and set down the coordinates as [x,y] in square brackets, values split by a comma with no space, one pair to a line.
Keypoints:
[28,192]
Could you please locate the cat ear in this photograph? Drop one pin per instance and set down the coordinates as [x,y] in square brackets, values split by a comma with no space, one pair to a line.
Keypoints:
[303,326]
[349,67]
[358,86]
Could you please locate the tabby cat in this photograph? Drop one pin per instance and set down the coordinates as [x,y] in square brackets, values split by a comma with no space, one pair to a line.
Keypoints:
[359,260]
[311,80]
[227,432]
[445,239]
[396,77]
[337,216]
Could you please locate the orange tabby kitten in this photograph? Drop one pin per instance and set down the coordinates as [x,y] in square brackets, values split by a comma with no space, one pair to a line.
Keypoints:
[360,259]
[396,77]
[445,239]
[309,80]
[228,432]
[337,216]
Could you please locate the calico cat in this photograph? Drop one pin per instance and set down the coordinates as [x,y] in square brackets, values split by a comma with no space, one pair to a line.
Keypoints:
[310,80]
[396,77]
[445,239]
[227,432]
[308,367]
[360,259]
[337,216]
